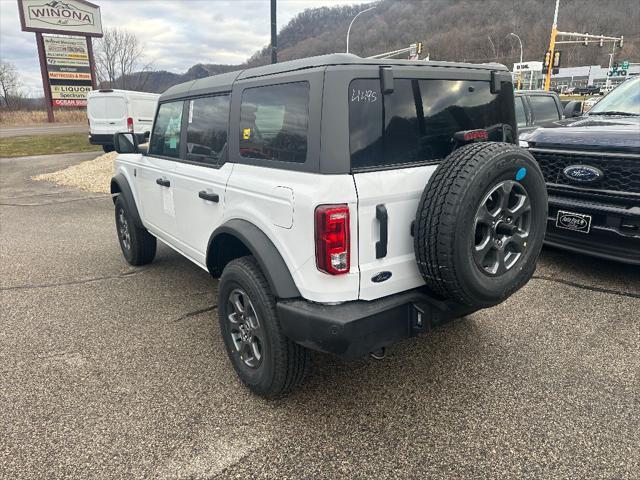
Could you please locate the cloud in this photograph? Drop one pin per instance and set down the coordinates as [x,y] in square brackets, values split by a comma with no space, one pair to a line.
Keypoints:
[176,34]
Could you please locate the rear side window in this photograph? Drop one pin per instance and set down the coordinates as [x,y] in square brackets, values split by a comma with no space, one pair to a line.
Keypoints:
[417,121]
[165,139]
[521,116]
[207,128]
[274,122]
[544,108]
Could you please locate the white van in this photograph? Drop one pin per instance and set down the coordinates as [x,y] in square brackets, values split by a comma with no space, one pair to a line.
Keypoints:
[112,111]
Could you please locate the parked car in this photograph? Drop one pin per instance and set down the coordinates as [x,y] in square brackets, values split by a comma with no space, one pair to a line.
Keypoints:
[588,90]
[111,111]
[344,203]
[591,164]
[535,108]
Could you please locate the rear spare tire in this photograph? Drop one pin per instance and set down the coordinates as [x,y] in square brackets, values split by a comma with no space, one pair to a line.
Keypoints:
[480,223]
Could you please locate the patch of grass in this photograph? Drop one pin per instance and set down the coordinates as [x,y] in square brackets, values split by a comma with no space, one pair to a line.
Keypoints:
[17,118]
[45,145]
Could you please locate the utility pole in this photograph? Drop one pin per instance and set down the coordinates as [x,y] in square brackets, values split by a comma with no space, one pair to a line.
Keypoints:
[274,33]
[552,46]
[611,55]
[574,38]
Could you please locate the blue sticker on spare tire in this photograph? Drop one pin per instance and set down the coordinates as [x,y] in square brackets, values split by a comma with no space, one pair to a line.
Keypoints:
[521,174]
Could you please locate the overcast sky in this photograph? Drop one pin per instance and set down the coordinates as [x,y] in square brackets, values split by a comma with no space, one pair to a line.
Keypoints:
[176,34]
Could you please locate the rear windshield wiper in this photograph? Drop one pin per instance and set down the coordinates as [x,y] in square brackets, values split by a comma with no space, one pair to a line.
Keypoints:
[613,112]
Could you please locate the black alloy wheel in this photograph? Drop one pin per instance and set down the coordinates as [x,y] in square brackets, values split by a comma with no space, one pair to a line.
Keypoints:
[502,227]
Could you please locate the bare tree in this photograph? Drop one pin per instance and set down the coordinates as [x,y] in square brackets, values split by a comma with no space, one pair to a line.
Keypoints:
[9,82]
[120,60]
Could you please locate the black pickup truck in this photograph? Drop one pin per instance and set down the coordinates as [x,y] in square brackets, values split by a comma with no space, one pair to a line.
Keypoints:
[591,164]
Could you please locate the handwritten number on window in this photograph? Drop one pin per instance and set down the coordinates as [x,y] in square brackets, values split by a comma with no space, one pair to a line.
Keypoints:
[363,96]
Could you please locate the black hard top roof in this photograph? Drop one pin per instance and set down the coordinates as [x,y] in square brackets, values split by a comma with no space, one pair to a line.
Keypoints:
[225,80]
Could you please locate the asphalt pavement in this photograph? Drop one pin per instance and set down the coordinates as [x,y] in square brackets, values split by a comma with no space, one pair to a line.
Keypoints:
[44,129]
[109,371]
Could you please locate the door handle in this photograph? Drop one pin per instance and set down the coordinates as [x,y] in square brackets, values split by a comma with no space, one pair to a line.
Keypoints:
[381,245]
[210,197]
[163,183]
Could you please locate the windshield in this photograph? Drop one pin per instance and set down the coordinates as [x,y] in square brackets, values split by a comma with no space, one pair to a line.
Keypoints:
[624,100]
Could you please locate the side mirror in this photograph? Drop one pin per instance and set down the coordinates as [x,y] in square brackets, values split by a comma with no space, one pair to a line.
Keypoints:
[125,142]
[573,109]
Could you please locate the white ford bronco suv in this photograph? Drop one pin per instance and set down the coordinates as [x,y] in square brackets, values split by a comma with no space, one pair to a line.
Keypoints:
[344,203]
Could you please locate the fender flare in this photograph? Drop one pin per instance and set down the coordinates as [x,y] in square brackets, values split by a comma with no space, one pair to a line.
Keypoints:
[120,186]
[261,247]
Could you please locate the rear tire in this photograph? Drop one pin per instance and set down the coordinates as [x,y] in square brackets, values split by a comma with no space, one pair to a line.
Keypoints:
[108,148]
[470,246]
[266,361]
[137,244]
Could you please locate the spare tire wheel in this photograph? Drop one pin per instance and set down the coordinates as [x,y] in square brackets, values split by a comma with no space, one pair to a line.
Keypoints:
[480,223]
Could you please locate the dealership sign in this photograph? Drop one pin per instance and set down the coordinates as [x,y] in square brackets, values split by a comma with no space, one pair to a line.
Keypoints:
[69,17]
[527,67]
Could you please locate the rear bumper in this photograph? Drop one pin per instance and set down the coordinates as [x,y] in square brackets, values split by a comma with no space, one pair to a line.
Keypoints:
[353,329]
[107,139]
[614,234]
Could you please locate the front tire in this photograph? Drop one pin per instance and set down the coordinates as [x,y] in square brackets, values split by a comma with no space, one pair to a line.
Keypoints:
[266,361]
[137,244]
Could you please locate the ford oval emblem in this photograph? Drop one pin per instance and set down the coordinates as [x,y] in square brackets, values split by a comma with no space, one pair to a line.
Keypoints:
[381,277]
[583,173]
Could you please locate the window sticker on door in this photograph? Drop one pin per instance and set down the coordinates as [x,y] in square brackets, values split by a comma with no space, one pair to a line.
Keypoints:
[167,202]
[190,112]
[246,134]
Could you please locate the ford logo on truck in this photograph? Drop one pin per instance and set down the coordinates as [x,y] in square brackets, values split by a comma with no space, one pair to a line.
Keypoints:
[583,173]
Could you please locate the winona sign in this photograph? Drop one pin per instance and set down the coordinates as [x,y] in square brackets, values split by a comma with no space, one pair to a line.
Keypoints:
[60,13]
[72,17]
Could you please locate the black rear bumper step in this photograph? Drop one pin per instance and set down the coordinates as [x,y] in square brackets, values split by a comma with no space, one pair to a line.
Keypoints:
[353,329]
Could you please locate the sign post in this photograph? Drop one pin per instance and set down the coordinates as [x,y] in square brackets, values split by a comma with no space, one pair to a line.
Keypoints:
[67,62]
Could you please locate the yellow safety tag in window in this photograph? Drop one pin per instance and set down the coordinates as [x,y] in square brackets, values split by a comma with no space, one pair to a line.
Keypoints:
[246,133]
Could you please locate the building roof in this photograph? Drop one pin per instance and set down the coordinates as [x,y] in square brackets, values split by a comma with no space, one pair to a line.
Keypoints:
[225,80]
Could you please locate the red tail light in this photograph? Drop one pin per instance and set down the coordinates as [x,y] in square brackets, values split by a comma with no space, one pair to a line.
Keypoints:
[333,252]
[130,124]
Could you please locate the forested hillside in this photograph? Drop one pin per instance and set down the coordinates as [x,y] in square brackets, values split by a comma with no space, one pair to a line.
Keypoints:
[468,30]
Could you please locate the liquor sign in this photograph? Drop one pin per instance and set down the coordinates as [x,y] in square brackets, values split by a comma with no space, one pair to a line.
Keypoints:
[66,60]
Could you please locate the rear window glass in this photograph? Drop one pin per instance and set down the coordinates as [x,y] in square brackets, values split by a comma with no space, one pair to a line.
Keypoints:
[417,121]
[107,107]
[274,122]
[207,128]
[544,108]
[165,139]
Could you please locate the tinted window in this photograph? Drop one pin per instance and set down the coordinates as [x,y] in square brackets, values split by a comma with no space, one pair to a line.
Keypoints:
[419,118]
[165,139]
[274,122]
[207,128]
[544,108]
[521,116]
